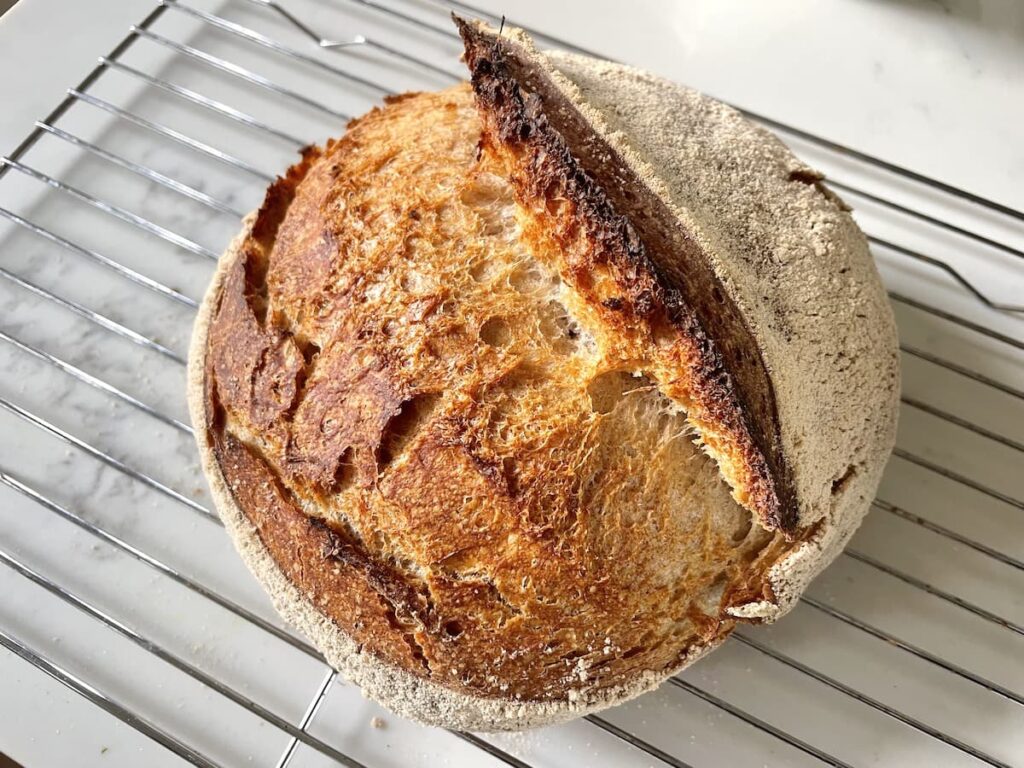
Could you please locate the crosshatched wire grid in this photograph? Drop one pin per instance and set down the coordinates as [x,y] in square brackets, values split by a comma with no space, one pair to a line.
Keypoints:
[908,650]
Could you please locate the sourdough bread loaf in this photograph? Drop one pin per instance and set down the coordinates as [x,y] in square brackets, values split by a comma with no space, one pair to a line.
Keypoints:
[520,395]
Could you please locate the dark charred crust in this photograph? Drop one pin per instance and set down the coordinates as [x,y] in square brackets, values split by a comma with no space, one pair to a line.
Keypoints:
[662,274]
[407,602]
[806,176]
[284,527]
[293,538]
[279,196]
[261,370]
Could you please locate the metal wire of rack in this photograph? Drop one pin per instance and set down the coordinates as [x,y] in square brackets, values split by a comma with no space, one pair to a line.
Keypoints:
[961,342]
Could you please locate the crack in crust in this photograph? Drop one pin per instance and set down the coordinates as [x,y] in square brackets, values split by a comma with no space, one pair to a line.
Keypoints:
[657,272]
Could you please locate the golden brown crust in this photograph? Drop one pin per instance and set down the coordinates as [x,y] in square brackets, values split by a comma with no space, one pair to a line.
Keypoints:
[446,467]
[407,694]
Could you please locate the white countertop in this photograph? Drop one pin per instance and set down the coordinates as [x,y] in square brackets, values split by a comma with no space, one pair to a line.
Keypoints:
[934,86]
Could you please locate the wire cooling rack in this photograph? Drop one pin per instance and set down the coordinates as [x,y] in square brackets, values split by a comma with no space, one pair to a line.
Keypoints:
[120,585]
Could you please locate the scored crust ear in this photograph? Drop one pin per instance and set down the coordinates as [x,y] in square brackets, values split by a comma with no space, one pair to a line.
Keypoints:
[635,263]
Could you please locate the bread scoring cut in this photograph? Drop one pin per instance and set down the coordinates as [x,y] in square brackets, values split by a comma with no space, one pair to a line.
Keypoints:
[455,432]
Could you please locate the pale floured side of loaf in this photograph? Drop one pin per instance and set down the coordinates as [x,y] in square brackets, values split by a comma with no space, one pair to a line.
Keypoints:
[788,251]
[797,264]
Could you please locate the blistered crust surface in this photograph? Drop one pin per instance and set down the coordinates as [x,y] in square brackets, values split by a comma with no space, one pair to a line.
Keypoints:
[632,252]
[407,694]
[445,446]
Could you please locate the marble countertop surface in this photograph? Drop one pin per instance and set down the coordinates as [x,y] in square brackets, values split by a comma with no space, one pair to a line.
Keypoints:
[935,86]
